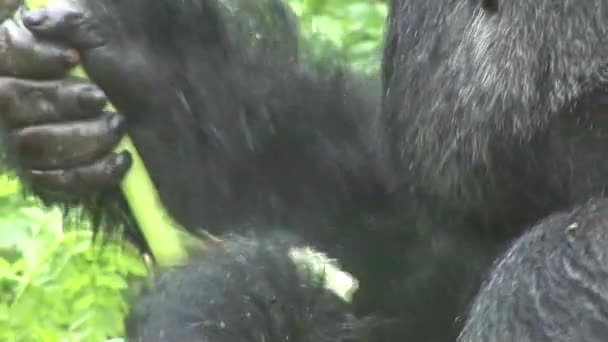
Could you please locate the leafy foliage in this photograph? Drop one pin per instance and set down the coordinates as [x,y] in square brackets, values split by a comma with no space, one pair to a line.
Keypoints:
[56,282]
[349,29]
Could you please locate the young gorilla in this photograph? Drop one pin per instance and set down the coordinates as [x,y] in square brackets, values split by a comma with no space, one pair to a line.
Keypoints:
[551,285]
[247,290]
[491,119]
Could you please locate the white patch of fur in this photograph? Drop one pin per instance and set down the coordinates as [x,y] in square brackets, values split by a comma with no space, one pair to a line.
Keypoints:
[340,282]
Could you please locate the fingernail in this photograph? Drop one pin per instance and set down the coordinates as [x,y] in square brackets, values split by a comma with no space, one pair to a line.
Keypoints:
[98,96]
[117,122]
[34,18]
[71,56]
[123,159]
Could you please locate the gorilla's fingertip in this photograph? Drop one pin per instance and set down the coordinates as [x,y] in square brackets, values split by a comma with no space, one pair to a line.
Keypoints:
[34,18]
[92,98]
[117,122]
[98,96]
[71,57]
[123,159]
[119,164]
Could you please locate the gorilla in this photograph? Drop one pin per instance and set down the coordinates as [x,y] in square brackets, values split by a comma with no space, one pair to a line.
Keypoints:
[250,289]
[488,119]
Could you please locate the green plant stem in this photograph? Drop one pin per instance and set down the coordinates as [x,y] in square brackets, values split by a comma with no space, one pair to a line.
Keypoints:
[162,233]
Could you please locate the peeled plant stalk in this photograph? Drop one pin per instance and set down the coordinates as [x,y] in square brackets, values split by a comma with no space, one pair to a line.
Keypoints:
[162,234]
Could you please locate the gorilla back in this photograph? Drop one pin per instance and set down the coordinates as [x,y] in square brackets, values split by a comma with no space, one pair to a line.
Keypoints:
[550,285]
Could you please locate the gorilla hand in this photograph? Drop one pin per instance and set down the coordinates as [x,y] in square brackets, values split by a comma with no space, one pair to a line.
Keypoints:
[57,129]
[121,58]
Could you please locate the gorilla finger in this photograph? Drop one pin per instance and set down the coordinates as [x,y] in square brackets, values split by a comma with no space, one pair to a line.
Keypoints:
[67,145]
[103,174]
[25,103]
[22,55]
[65,23]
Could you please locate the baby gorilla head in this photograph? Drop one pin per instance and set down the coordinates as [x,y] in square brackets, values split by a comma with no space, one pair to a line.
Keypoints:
[250,289]
[551,285]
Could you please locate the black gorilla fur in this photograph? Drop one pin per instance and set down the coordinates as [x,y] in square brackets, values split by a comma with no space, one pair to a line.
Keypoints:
[491,119]
[247,290]
[551,285]
[268,144]
[483,106]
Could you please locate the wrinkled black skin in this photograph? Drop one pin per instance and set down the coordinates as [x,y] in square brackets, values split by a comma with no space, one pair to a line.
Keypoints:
[491,118]
[248,282]
[550,285]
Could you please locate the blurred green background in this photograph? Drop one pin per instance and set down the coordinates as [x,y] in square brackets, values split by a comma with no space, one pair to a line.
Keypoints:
[56,284]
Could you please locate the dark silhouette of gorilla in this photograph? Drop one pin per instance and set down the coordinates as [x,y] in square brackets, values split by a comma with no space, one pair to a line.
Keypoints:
[490,117]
